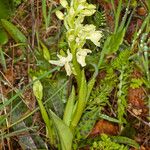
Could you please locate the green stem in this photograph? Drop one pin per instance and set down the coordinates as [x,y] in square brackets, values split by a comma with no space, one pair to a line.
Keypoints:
[101,59]
[2,57]
[81,102]
[76,67]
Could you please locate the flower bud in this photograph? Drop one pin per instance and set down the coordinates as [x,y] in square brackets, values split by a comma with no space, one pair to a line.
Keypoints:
[64,3]
[60,15]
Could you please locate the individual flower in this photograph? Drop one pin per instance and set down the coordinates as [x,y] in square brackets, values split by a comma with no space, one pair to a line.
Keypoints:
[88,32]
[64,61]
[81,54]
[95,37]
[92,34]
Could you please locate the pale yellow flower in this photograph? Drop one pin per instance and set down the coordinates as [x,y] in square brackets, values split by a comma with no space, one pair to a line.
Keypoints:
[95,36]
[88,32]
[92,34]
[64,3]
[81,55]
[64,61]
[59,15]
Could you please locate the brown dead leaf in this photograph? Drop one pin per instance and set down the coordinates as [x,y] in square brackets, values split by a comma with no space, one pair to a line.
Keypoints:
[136,96]
[136,101]
[136,74]
[103,126]
[141,148]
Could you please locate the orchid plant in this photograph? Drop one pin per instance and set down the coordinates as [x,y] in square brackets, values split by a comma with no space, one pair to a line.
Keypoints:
[76,36]
[74,61]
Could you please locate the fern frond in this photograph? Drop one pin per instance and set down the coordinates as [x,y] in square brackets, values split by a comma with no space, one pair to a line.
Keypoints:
[121,95]
[122,60]
[100,95]
[86,124]
[122,64]
[100,19]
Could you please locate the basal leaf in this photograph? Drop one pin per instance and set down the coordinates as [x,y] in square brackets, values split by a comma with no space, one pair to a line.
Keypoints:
[56,103]
[5,8]
[64,132]
[69,108]
[3,37]
[13,31]
[38,89]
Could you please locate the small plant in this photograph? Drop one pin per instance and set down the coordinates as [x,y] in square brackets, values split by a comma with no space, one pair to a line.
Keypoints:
[74,61]
[86,102]
[121,63]
[107,144]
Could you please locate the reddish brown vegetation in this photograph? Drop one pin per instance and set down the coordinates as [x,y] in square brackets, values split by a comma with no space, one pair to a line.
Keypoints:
[103,126]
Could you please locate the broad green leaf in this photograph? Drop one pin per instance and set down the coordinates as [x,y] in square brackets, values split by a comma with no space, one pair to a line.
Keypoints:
[3,37]
[92,81]
[5,8]
[113,42]
[38,92]
[64,132]
[46,53]
[37,89]
[13,31]
[69,108]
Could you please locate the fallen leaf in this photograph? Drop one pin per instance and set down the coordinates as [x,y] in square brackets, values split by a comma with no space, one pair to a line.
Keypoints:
[103,126]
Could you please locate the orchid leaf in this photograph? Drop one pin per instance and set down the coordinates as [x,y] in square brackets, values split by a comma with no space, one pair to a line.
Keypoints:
[69,107]
[3,37]
[113,42]
[13,31]
[64,132]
